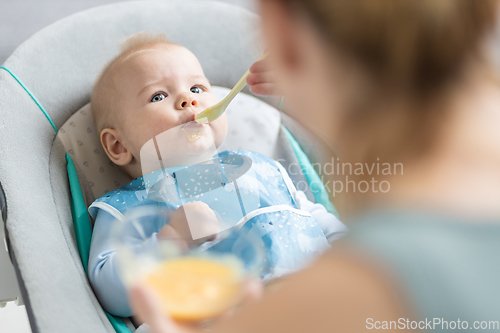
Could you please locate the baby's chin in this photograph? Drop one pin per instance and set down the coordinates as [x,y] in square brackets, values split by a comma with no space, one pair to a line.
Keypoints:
[192,147]
[199,138]
[197,145]
[186,144]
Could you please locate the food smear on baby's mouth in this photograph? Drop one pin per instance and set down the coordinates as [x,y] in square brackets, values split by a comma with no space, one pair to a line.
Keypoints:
[193,130]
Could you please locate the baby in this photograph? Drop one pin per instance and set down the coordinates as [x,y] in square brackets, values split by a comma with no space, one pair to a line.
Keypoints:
[144,104]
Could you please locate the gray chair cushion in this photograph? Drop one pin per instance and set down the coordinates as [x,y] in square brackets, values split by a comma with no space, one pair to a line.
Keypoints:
[59,65]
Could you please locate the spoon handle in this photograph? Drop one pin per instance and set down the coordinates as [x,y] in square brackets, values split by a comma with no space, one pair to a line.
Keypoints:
[236,89]
[239,85]
[218,109]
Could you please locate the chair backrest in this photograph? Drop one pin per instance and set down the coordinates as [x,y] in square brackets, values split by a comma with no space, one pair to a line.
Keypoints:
[58,65]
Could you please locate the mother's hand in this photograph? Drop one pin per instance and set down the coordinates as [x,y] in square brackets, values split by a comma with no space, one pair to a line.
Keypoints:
[261,79]
[146,306]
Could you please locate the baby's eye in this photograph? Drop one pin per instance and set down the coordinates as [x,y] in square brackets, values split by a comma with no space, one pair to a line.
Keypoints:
[196,90]
[158,97]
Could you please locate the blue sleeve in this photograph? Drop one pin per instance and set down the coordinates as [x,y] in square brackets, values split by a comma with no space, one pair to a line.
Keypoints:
[103,268]
[329,223]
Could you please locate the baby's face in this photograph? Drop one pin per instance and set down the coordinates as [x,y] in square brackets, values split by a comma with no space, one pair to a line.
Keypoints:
[160,90]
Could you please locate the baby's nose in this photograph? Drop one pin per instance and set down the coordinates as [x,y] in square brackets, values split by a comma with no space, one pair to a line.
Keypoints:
[186,100]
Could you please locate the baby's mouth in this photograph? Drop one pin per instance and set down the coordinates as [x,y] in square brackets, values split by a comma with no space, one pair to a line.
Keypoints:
[193,130]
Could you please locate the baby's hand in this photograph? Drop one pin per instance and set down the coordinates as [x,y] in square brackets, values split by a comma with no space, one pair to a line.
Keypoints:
[261,78]
[202,221]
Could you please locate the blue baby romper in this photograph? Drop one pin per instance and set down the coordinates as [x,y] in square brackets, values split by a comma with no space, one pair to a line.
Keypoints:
[245,190]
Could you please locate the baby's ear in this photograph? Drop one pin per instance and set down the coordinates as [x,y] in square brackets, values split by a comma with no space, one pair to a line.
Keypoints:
[114,148]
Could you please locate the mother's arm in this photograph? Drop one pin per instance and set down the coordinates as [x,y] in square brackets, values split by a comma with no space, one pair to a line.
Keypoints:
[338,293]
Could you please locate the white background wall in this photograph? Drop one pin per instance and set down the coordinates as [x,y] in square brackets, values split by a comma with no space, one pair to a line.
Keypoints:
[19,19]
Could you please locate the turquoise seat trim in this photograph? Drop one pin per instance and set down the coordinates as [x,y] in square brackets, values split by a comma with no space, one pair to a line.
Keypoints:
[118,324]
[81,221]
[83,230]
[32,97]
[315,183]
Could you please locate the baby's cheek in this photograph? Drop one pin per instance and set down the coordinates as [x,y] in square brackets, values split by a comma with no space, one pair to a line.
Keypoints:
[219,129]
[163,123]
[156,127]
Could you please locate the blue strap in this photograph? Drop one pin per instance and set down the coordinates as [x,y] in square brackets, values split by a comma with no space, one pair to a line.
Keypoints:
[32,97]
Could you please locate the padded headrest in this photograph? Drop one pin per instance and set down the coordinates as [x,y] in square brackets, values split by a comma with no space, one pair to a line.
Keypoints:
[252,125]
[60,65]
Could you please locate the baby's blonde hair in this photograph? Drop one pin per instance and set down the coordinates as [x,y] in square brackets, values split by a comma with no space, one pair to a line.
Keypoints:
[103,99]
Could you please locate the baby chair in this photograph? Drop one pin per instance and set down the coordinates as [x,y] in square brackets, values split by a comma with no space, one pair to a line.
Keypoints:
[52,166]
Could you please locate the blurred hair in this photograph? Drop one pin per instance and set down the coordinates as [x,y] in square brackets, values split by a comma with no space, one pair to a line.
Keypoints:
[412,50]
[417,42]
[103,100]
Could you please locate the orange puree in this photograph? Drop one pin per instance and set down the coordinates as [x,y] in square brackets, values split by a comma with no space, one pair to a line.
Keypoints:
[193,289]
